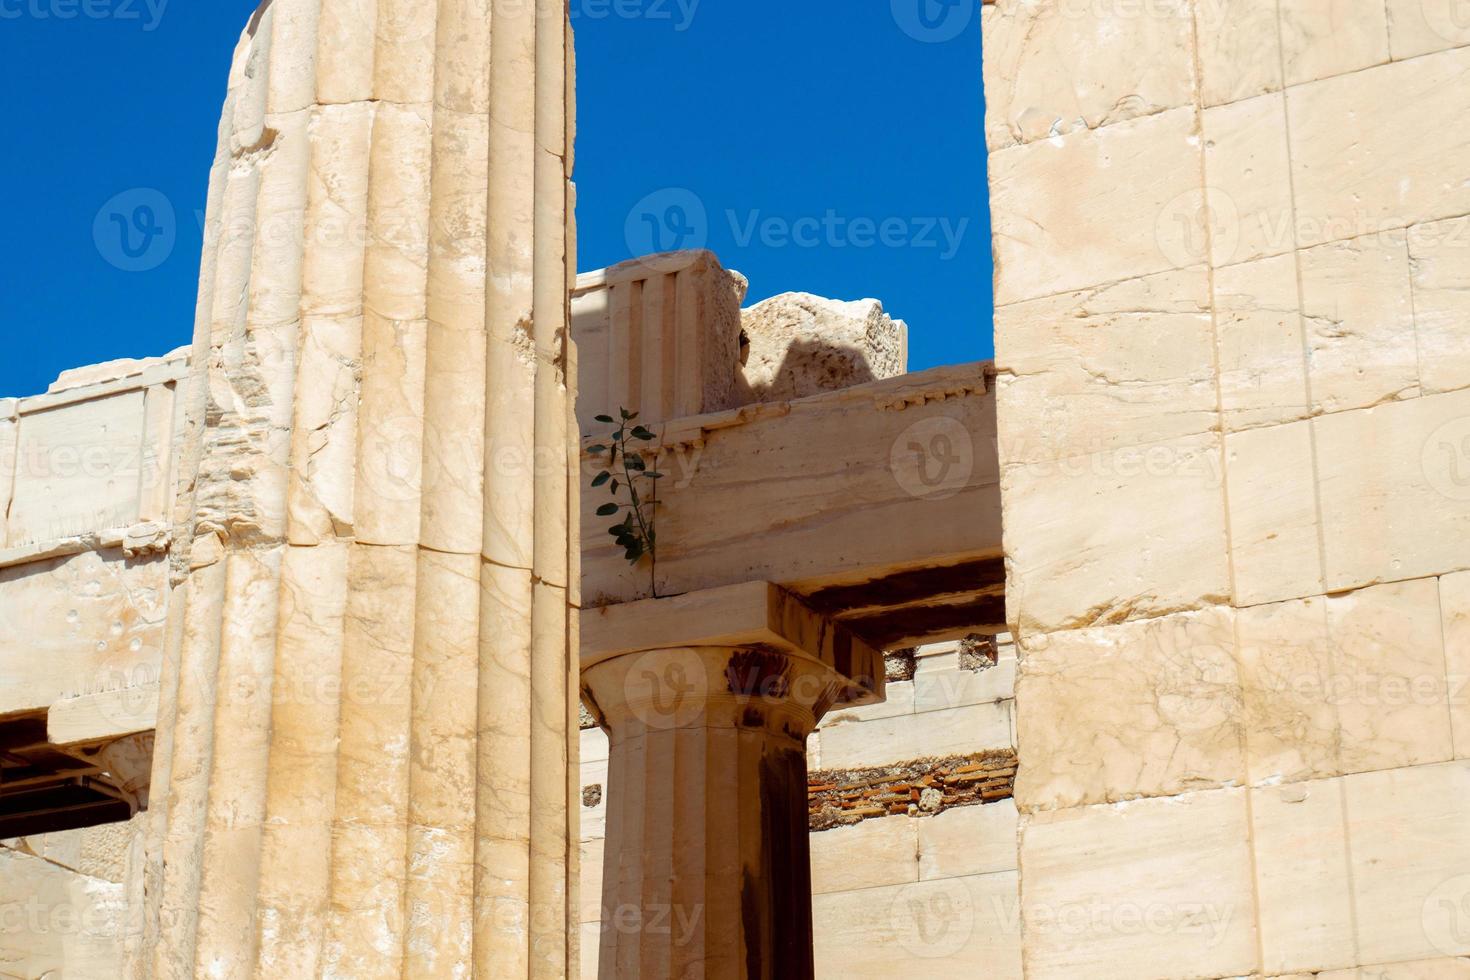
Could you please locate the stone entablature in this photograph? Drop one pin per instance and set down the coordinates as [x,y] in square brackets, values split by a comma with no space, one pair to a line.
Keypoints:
[88,480]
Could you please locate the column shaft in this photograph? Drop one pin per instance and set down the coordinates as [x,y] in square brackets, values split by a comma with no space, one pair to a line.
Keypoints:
[364,757]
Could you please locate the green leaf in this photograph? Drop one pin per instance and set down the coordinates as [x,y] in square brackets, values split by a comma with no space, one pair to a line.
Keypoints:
[597,450]
[601,478]
[627,415]
[607,510]
[615,530]
[604,418]
[639,432]
[636,463]
[614,487]
[652,475]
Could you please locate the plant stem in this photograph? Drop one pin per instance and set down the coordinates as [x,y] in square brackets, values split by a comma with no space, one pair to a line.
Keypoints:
[638,513]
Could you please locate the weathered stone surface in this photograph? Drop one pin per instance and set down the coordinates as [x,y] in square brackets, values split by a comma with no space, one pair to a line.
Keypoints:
[1249,174]
[1286,668]
[1418,27]
[816,482]
[658,335]
[1082,562]
[1404,463]
[1258,323]
[1454,603]
[871,854]
[1439,256]
[1152,888]
[1054,68]
[78,468]
[1411,861]
[955,925]
[952,731]
[969,840]
[1301,860]
[1359,319]
[1239,50]
[1153,708]
[1097,206]
[1369,150]
[1121,365]
[802,345]
[104,632]
[1389,665]
[1323,40]
[1275,530]
[59,922]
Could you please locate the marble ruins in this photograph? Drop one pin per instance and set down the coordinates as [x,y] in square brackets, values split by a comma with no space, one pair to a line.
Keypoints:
[1142,652]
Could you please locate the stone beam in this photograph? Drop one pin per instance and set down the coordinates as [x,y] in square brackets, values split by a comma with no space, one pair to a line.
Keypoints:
[708,699]
[879,504]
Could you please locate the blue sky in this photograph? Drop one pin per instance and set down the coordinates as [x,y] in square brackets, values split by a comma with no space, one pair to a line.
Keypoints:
[840,155]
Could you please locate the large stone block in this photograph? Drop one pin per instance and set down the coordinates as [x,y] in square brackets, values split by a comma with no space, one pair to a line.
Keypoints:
[79,468]
[1301,860]
[1389,684]
[1275,541]
[1371,150]
[1417,27]
[936,689]
[1122,365]
[1239,50]
[1359,317]
[1249,174]
[1154,888]
[1454,602]
[58,922]
[1325,39]
[658,335]
[1149,708]
[1440,260]
[1097,206]
[1114,536]
[1263,372]
[969,840]
[1286,670]
[868,855]
[802,345]
[1411,862]
[1395,490]
[953,731]
[80,625]
[1055,67]
[952,927]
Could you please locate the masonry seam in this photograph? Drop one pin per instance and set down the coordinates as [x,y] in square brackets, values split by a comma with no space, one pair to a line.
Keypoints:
[1301,318]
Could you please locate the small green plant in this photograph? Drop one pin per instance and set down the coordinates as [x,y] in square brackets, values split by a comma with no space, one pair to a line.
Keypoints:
[625,470]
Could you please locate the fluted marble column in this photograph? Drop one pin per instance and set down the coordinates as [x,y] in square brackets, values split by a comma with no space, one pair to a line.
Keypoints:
[365,757]
[707,869]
